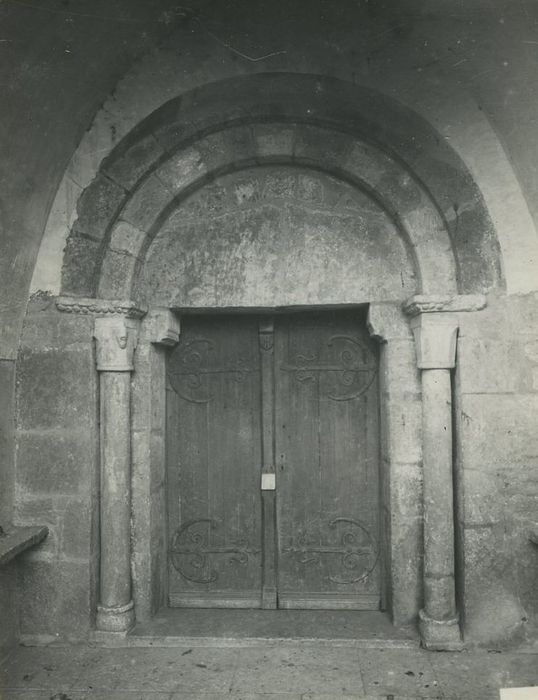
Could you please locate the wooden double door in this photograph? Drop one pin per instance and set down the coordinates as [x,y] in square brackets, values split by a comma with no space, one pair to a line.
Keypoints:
[272,462]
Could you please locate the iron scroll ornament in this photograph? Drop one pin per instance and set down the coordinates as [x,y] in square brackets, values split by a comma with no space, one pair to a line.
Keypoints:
[349,371]
[190,367]
[357,550]
[191,551]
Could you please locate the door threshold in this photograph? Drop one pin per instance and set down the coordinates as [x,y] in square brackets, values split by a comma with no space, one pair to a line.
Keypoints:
[242,628]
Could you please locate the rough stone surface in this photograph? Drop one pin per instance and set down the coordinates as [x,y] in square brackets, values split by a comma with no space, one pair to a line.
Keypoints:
[456,77]
[118,271]
[53,458]
[16,540]
[130,164]
[310,673]
[79,274]
[276,236]
[56,465]
[146,203]
[45,379]
[7,391]
[56,598]
[96,206]
[9,613]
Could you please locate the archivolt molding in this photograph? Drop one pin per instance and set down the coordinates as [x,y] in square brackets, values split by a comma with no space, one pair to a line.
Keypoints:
[134,216]
[100,307]
[457,172]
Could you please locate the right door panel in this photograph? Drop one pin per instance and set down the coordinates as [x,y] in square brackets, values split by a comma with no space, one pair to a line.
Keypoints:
[327,453]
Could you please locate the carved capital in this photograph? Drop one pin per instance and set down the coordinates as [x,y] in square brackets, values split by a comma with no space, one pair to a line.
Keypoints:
[162,327]
[435,340]
[116,338]
[421,304]
[99,307]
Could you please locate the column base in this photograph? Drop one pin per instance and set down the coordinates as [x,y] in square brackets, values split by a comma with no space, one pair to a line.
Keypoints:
[439,635]
[117,618]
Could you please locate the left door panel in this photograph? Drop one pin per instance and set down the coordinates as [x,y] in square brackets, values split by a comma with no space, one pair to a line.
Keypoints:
[213,464]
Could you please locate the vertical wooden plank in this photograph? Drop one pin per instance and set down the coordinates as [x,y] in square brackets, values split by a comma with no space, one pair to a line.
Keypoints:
[268,493]
[215,444]
[327,439]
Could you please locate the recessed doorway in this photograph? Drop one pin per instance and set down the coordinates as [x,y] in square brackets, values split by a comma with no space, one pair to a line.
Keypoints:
[273,462]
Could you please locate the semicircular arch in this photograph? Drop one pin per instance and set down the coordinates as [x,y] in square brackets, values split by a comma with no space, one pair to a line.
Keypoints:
[128,220]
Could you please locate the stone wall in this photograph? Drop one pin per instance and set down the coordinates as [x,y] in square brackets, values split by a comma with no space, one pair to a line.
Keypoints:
[497,467]
[466,70]
[56,466]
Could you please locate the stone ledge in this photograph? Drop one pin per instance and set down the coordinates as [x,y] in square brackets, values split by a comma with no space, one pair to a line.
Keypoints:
[97,307]
[19,539]
[423,303]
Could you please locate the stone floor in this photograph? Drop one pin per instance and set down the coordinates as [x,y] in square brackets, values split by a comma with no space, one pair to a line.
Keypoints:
[307,671]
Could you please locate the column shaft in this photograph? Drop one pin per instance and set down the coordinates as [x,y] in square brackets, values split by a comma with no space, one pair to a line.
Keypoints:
[439,585]
[115,586]
[435,339]
[116,340]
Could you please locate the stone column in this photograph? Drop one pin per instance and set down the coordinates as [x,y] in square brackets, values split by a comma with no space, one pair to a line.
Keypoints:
[116,338]
[435,330]
[435,337]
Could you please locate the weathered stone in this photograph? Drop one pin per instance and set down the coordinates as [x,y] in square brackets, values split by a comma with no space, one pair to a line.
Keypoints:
[481,497]
[35,508]
[76,530]
[126,238]
[438,494]
[387,323]
[401,378]
[7,442]
[403,430]
[45,327]
[162,327]
[9,609]
[271,238]
[522,309]
[116,340]
[492,365]
[159,329]
[80,266]
[442,140]
[321,145]
[97,307]
[435,340]
[46,378]
[447,303]
[492,608]
[176,131]
[224,148]
[55,598]
[273,140]
[55,461]
[406,490]
[30,510]
[97,207]
[182,170]
[117,274]
[146,203]
[129,167]
[497,430]
[405,561]
[16,540]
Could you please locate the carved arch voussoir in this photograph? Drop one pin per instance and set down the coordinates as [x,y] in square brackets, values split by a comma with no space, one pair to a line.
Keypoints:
[129,231]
